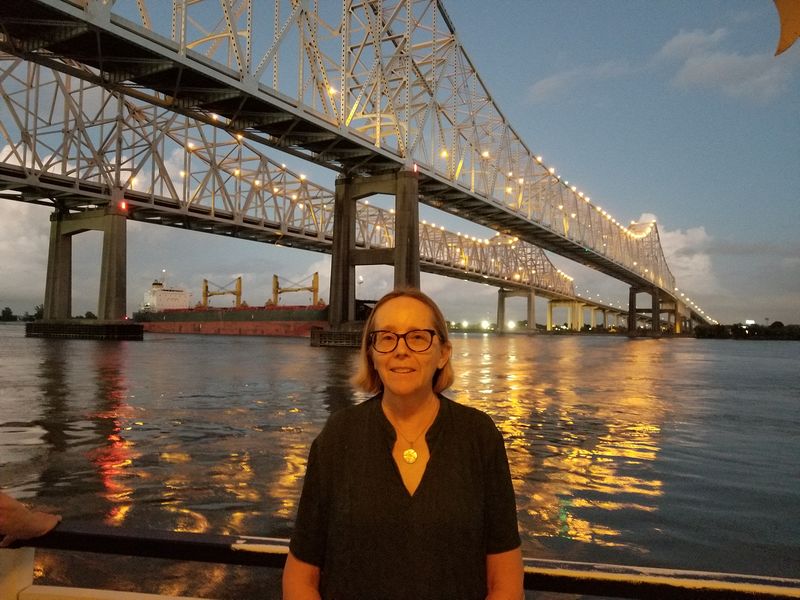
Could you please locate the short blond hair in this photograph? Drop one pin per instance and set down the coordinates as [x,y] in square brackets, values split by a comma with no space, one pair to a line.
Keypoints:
[366,377]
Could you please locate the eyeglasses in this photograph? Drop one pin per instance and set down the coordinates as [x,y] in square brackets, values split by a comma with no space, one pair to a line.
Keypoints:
[417,340]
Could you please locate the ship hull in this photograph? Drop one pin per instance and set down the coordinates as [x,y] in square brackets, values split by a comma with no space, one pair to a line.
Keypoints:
[282,321]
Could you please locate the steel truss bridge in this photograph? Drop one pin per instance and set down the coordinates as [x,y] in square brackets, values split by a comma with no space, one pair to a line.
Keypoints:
[74,145]
[359,87]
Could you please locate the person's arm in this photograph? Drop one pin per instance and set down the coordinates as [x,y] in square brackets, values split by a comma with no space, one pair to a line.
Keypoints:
[504,575]
[18,522]
[300,580]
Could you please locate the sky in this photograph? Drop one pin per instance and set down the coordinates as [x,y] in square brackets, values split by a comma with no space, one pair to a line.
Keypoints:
[673,110]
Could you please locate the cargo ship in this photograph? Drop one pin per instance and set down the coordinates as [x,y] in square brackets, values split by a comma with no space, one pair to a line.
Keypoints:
[169,310]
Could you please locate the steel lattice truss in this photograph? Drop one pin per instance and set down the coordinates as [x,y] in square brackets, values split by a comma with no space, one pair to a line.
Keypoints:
[81,146]
[361,85]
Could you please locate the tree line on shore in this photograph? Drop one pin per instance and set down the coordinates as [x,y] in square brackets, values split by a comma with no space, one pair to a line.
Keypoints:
[774,331]
[38,313]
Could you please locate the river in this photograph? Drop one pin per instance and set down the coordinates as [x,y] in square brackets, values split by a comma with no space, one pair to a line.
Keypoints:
[677,453]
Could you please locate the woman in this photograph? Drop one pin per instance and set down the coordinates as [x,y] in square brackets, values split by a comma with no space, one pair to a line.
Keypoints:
[408,494]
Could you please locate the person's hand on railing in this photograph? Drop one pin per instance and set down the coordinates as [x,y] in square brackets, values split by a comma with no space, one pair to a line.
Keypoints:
[18,522]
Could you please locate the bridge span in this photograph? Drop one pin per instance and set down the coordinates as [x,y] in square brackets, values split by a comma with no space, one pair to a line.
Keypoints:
[361,88]
[187,174]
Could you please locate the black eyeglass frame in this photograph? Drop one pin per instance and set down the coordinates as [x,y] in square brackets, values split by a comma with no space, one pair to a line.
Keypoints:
[398,337]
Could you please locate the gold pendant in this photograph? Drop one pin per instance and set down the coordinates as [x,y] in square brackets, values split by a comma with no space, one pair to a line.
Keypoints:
[410,456]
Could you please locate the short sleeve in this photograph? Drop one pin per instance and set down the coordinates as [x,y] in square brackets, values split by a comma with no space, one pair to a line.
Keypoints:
[310,531]
[502,532]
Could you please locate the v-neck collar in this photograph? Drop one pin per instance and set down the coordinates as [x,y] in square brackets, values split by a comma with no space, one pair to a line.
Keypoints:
[433,431]
[431,438]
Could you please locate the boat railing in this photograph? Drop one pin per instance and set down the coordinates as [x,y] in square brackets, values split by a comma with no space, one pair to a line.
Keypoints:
[17,567]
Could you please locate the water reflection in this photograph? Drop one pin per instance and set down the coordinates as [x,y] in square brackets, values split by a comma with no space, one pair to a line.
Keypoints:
[115,454]
[612,453]
[581,438]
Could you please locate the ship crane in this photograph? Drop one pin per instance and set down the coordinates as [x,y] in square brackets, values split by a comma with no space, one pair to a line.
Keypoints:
[277,290]
[222,291]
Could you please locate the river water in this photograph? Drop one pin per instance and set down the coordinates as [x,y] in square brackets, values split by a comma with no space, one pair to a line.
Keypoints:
[675,453]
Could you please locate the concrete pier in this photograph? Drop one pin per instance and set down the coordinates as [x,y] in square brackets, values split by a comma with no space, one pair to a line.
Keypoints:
[111,220]
[404,186]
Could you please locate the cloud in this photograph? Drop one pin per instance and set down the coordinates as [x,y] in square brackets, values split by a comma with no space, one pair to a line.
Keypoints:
[757,77]
[23,247]
[565,82]
[690,43]
[687,254]
[701,64]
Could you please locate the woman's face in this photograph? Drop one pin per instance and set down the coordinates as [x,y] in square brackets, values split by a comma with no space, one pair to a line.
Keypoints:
[404,372]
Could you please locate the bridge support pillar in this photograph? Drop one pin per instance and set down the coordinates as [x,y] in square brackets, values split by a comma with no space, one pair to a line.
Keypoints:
[532,311]
[550,316]
[406,225]
[404,186]
[343,291]
[58,285]
[632,314]
[655,314]
[530,296]
[501,310]
[576,320]
[113,269]
[592,317]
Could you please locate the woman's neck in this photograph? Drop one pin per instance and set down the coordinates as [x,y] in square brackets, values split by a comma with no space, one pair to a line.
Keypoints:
[410,408]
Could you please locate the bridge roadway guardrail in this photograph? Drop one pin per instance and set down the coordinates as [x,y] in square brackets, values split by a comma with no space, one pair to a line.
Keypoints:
[616,581]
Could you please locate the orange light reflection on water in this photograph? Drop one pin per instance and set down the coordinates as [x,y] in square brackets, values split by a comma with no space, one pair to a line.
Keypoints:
[573,464]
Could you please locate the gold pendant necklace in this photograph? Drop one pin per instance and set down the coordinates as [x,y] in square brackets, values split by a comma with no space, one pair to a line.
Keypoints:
[409,454]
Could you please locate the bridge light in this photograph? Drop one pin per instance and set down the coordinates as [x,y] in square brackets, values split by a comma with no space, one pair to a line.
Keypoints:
[123,205]
[484,324]
[512,324]
[539,158]
[552,170]
[485,154]
[520,181]
[465,324]
[443,154]
[182,174]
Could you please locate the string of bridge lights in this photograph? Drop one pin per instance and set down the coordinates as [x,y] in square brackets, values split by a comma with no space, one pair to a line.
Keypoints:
[635,231]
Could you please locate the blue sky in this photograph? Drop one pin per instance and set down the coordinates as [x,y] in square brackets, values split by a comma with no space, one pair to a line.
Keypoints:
[676,109]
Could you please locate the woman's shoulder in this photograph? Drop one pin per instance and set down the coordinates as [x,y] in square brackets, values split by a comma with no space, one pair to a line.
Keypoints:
[350,418]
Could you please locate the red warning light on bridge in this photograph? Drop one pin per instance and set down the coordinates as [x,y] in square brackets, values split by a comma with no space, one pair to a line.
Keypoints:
[123,205]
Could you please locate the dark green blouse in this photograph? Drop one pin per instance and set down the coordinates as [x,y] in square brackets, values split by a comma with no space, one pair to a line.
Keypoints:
[373,540]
